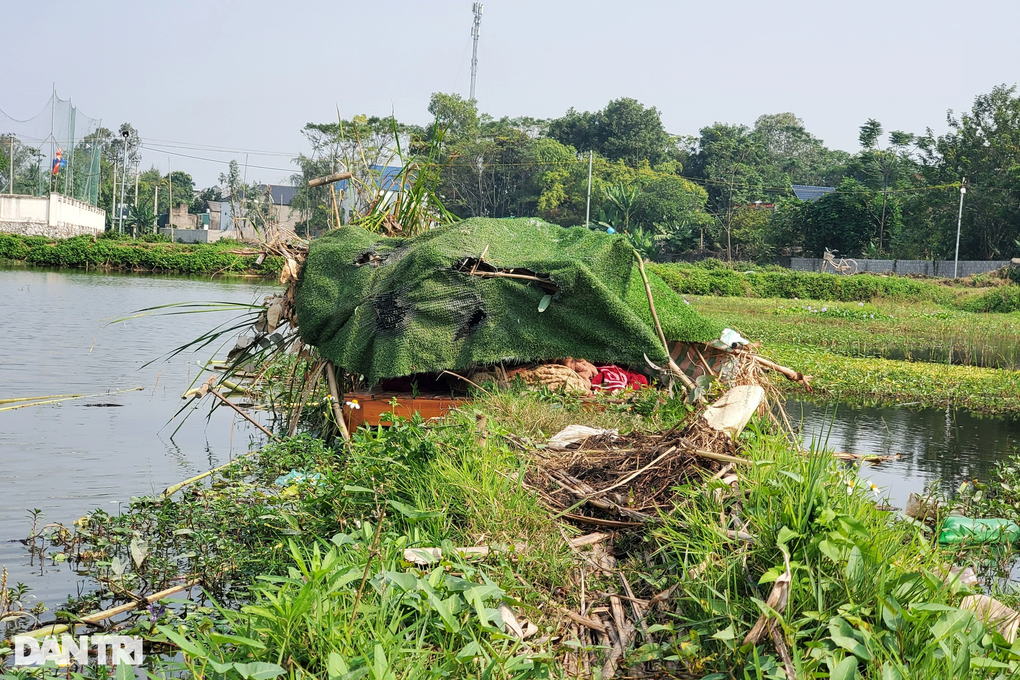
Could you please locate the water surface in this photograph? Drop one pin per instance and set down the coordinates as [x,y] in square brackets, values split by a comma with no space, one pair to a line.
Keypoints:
[71,457]
[941,447]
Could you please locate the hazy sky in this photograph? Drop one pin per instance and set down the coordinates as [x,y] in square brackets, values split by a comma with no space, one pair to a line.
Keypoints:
[248,75]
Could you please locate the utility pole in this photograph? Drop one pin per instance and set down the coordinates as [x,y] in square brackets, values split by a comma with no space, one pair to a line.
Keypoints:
[123,183]
[113,199]
[11,188]
[959,222]
[155,209]
[170,178]
[587,209]
[476,30]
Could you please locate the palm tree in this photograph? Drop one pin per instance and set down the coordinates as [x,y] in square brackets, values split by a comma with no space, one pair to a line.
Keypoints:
[621,199]
[141,218]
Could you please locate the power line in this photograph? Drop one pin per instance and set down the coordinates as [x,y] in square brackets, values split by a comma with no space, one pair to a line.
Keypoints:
[216,160]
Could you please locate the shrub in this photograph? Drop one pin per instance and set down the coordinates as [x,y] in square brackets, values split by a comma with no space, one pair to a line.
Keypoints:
[786,284]
[1002,299]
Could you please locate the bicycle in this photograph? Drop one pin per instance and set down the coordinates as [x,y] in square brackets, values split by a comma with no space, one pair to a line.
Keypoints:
[844,266]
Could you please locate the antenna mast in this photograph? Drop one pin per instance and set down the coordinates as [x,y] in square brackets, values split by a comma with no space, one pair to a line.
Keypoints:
[476,30]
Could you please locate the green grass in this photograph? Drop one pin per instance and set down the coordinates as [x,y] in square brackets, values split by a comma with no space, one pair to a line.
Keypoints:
[865,595]
[86,252]
[882,381]
[843,349]
[882,329]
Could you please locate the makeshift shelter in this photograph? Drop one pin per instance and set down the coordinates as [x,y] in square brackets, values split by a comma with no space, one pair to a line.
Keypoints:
[481,292]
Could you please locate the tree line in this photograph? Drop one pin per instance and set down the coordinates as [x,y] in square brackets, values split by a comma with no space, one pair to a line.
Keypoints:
[727,190]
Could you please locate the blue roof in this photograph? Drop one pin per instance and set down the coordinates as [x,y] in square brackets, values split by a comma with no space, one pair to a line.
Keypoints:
[810,193]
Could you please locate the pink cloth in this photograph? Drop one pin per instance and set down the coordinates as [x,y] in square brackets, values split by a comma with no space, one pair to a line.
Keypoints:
[613,379]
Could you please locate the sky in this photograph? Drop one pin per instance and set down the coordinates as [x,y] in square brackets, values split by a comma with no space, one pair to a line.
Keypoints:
[247,76]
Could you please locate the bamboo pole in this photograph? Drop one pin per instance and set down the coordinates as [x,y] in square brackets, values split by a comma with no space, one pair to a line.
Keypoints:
[329,179]
[239,411]
[48,396]
[92,619]
[338,412]
[674,369]
[69,398]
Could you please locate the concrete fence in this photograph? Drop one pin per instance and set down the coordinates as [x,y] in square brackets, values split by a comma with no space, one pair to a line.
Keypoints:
[943,268]
[54,216]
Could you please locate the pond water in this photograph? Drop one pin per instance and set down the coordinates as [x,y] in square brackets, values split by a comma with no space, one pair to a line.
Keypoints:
[940,447]
[70,457]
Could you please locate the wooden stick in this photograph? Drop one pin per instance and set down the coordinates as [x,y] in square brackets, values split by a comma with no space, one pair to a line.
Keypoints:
[329,179]
[49,396]
[638,472]
[69,398]
[236,408]
[338,411]
[171,490]
[583,620]
[722,457]
[588,539]
[674,369]
[92,619]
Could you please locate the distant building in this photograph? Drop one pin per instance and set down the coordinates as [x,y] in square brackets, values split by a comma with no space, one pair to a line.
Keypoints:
[810,194]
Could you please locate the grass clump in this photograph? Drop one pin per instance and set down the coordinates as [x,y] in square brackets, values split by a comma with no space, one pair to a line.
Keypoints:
[1003,299]
[866,594]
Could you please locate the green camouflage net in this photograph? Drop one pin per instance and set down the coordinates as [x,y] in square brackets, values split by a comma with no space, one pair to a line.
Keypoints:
[388,307]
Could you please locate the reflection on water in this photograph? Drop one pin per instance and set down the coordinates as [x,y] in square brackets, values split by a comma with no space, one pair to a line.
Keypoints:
[936,446]
[69,458]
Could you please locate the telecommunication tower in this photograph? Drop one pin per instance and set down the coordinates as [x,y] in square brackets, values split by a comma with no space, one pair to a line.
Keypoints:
[476,30]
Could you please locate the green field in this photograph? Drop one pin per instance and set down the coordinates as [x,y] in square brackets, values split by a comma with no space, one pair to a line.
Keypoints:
[885,351]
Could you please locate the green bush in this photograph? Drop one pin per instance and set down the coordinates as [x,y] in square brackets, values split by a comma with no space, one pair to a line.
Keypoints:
[154,253]
[154,238]
[1002,299]
[715,280]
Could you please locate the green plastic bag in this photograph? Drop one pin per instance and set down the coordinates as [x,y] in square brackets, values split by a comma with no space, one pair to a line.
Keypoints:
[957,530]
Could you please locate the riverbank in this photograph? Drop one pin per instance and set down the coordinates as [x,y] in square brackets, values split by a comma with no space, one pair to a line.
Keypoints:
[993,292]
[125,254]
[346,560]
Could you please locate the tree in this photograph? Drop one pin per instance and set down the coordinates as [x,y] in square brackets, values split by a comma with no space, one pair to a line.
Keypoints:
[457,116]
[982,145]
[794,154]
[621,199]
[736,165]
[846,220]
[213,193]
[623,131]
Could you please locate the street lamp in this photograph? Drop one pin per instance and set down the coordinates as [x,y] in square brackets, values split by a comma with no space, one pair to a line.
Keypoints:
[120,209]
[959,221]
